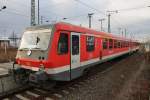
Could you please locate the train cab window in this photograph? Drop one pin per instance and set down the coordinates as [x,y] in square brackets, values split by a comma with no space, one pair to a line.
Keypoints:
[63,44]
[110,43]
[75,44]
[115,43]
[90,43]
[105,41]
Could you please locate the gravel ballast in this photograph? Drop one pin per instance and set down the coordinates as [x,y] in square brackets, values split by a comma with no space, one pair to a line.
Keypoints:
[119,83]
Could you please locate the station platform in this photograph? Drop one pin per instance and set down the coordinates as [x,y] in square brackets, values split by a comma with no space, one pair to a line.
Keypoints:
[4,67]
[7,82]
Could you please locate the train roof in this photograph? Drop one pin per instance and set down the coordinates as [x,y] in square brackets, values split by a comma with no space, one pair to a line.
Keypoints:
[38,27]
[67,26]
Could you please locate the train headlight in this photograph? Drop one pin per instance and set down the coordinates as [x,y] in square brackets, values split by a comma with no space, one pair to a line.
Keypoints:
[18,62]
[29,53]
[41,68]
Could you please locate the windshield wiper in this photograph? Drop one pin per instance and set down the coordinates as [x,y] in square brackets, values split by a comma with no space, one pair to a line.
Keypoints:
[24,49]
[35,48]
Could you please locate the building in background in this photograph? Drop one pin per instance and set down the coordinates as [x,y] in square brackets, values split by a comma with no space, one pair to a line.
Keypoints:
[4,42]
[14,40]
[147,46]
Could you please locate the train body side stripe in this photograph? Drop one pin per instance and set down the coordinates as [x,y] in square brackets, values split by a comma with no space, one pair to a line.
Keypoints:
[89,61]
[114,55]
[84,63]
[58,70]
[31,68]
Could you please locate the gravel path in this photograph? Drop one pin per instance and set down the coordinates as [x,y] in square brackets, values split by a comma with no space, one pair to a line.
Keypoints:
[113,84]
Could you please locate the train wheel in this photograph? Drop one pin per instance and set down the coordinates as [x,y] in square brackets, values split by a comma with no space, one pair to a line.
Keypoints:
[86,71]
[48,85]
[20,76]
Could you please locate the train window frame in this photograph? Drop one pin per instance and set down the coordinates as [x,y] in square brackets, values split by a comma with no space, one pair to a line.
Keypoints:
[105,43]
[90,43]
[126,43]
[75,44]
[119,44]
[60,41]
[115,44]
[110,43]
[123,44]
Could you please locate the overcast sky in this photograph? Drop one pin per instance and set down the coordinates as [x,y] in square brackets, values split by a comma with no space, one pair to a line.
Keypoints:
[134,15]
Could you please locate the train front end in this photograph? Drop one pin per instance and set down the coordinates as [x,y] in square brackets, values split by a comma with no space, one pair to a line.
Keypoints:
[32,56]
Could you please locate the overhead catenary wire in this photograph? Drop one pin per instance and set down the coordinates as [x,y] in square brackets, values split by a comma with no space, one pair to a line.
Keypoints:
[19,4]
[77,16]
[13,11]
[72,17]
[119,10]
[52,5]
[130,9]
[89,6]
[98,11]
[16,13]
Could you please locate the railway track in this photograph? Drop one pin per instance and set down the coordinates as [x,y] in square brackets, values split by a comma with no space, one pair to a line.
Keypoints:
[62,88]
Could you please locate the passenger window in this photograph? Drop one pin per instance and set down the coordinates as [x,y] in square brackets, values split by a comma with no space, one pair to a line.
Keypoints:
[122,44]
[63,44]
[105,41]
[90,43]
[126,44]
[119,44]
[110,43]
[75,45]
[115,43]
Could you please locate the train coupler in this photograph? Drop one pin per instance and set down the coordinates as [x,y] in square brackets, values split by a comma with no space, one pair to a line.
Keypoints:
[38,77]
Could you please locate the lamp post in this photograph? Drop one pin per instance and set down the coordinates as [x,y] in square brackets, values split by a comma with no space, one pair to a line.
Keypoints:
[65,18]
[33,22]
[4,7]
[109,15]
[38,12]
[90,16]
[101,21]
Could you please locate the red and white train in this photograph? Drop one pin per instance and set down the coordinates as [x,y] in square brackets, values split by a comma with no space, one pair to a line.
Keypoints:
[62,51]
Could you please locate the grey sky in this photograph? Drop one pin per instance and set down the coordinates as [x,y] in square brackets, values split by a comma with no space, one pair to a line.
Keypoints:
[137,21]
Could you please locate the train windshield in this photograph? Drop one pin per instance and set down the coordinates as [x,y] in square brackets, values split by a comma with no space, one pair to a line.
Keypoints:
[35,40]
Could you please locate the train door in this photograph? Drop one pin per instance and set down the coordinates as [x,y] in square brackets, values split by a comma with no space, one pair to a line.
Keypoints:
[100,52]
[75,54]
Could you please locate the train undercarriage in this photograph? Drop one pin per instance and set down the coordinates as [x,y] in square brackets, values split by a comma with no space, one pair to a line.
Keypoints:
[36,79]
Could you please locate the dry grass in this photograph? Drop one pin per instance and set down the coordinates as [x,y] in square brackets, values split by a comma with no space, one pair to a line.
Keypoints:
[147,56]
[7,56]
